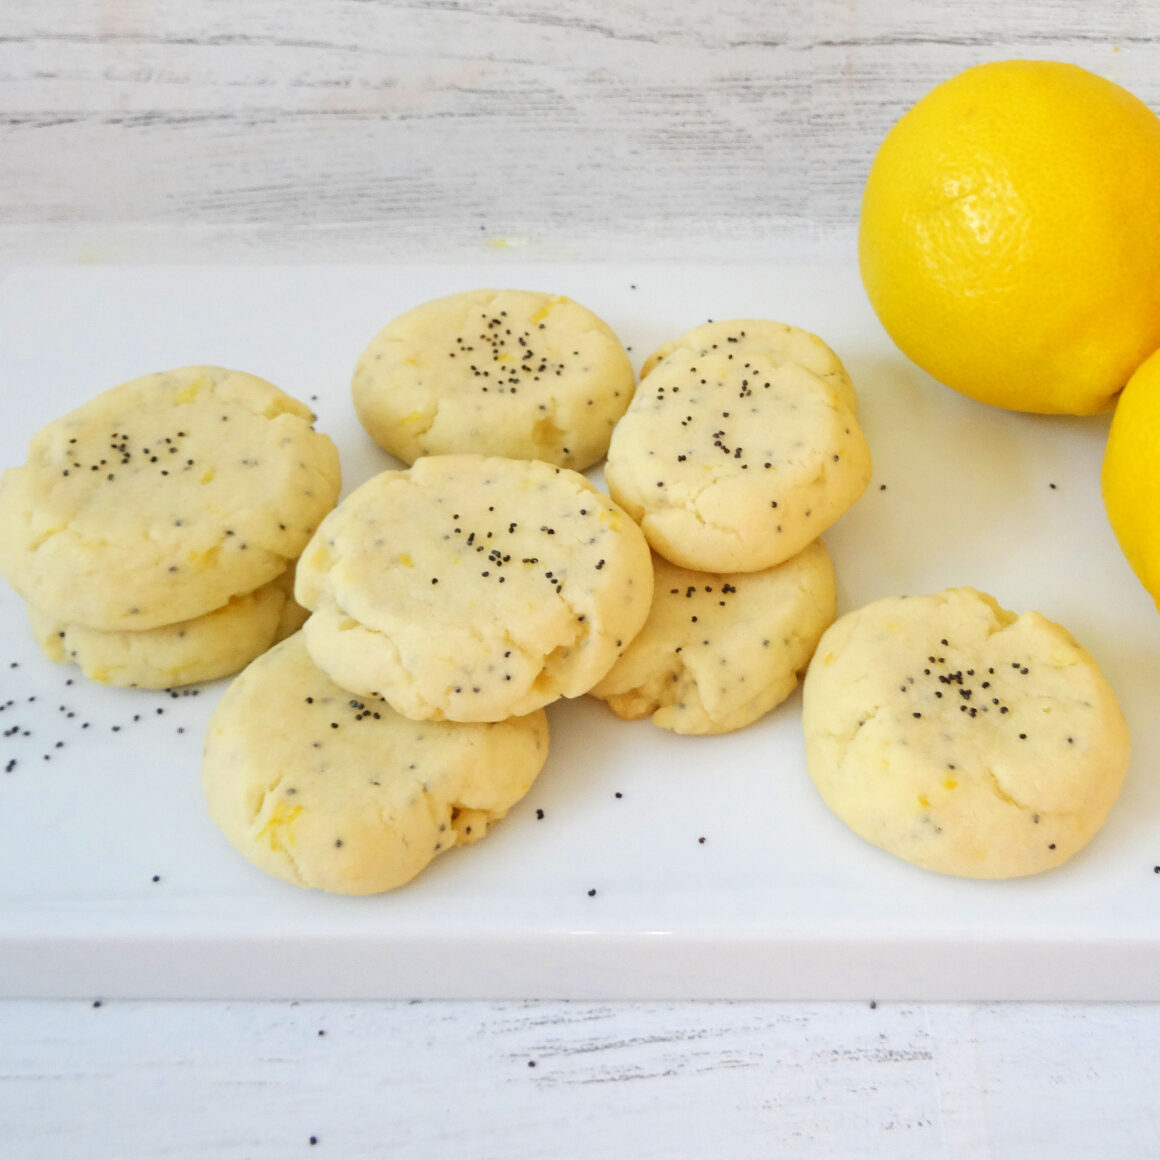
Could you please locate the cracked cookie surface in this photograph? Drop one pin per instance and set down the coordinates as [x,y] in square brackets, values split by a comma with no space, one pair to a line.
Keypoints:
[741,446]
[339,793]
[471,588]
[513,373]
[961,737]
[719,651]
[162,498]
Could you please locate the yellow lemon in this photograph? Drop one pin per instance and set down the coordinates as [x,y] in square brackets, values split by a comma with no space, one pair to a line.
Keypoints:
[1131,475]
[1010,235]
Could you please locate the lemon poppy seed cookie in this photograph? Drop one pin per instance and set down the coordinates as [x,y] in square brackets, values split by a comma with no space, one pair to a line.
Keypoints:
[512,373]
[341,794]
[163,498]
[719,651]
[203,648]
[740,447]
[473,588]
[961,737]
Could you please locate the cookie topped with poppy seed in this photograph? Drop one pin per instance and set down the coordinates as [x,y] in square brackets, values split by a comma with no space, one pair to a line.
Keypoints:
[163,498]
[719,651]
[961,737]
[514,373]
[472,588]
[740,447]
[339,793]
[188,652]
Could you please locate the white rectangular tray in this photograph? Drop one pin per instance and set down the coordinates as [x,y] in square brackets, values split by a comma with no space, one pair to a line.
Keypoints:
[113,881]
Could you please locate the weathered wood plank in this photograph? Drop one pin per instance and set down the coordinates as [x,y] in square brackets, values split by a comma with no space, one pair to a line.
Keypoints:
[527,118]
[528,1080]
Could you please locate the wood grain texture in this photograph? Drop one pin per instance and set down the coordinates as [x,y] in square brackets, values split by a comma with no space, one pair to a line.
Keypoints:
[523,1081]
[391,127]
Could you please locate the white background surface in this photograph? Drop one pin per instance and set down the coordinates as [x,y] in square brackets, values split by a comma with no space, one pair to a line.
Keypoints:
[353,132]
[778,902]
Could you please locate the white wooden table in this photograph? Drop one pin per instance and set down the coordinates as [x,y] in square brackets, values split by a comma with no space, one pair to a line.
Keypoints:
[356,130]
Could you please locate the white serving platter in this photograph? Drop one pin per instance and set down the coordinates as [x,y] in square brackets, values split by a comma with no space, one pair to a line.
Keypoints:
[113,881]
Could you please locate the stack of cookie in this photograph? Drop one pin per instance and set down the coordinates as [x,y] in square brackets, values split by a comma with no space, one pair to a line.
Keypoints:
[152,532]
[740,448]
[450,602]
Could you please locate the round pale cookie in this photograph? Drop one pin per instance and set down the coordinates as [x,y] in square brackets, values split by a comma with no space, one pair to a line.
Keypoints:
[719,651]
[162,498]
[961,737]
[340,794]
[514,373]
[472,588]
[740,447]
[203,648]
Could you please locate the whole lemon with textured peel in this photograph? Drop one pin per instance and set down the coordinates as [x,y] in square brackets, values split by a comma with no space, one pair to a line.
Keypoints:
[1131,475]
[1010,235]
